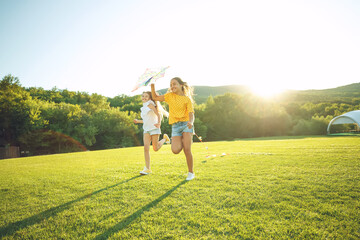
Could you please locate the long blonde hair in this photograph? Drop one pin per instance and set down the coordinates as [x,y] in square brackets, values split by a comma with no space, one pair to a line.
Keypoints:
[188,91]
[159,107]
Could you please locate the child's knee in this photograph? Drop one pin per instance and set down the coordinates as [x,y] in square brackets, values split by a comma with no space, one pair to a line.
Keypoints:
[156,148]
[176,150]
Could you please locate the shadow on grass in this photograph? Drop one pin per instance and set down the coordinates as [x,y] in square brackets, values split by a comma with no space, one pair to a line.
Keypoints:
[127,221]
[13,227]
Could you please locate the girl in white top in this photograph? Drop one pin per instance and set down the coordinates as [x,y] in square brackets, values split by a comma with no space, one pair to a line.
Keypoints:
[151,115]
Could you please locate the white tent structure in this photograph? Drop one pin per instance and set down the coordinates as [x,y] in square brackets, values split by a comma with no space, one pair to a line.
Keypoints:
[346,118]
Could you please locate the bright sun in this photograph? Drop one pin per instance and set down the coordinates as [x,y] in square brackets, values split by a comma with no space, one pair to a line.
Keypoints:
[266,91]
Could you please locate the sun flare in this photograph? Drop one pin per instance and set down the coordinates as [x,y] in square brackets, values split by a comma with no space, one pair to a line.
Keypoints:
[266,91]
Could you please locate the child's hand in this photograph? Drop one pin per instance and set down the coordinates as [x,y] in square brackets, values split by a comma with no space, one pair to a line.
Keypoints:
[157,125]
[136,121]
[189,125]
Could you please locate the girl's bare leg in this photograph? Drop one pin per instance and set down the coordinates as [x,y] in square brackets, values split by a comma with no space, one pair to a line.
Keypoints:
[156,143]
[186,142]
[147,141]
[176,144]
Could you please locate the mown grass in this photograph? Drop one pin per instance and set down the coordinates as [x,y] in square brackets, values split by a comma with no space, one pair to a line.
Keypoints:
[269,188]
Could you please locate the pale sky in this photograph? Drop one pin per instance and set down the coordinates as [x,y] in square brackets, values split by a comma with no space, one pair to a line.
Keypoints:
[103,46]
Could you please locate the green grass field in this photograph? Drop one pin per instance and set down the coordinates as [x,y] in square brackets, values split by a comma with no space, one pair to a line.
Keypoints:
[268,188]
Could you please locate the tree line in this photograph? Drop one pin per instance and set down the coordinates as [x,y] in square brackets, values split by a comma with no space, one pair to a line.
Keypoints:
[57,121]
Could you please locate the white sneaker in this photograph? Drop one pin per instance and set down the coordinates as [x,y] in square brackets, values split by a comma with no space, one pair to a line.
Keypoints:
[167,139]
[190,176]
[145,171]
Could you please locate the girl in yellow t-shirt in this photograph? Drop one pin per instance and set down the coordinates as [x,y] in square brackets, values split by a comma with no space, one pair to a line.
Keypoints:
[181,117]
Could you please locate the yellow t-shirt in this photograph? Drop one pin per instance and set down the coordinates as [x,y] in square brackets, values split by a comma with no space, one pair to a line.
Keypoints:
[179,107]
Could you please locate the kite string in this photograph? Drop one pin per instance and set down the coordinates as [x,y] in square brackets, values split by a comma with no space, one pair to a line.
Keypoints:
[206,147]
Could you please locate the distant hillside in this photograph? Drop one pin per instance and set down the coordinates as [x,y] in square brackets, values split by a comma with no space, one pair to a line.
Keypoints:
[203,92]
[342,93]
[351,88]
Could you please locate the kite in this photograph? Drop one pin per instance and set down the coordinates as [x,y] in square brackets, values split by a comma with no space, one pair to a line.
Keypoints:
[150,75]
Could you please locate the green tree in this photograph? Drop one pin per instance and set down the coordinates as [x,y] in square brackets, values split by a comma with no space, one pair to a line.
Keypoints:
[14,110]
[126,103]
[115,129]
[226,118]
[96,103]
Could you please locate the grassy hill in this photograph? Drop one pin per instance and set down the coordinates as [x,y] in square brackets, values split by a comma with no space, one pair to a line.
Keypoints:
[340,94]
[268,188]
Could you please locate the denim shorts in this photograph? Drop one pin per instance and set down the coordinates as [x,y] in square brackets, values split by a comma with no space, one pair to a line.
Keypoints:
[153,131]
[179,128]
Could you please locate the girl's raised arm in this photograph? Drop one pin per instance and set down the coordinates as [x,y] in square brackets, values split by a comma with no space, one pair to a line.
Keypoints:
[154,95]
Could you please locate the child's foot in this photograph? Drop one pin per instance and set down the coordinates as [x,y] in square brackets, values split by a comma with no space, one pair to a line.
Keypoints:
[167,139]
[190,176]
[145,171]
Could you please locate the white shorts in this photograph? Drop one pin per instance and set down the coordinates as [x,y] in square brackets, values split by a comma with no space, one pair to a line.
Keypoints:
[153,131]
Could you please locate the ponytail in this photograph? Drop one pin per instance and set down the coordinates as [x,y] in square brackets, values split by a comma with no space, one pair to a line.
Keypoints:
[161,110]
